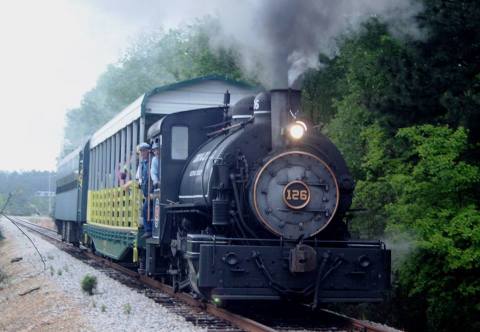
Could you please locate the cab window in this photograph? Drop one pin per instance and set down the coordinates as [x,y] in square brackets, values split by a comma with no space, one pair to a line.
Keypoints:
[179,142]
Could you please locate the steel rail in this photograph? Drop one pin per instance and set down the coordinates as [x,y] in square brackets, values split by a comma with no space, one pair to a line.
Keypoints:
[359,325]
[33,226]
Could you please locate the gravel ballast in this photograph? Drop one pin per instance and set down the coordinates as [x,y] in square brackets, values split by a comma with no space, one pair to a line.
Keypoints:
[113,307]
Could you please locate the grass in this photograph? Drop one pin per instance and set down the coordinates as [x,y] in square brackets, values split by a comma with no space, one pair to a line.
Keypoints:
[103,308]
[127,309]
[89,284]
[59,272]
[3,276]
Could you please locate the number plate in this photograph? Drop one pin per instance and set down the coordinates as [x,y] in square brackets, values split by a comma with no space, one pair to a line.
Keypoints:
[296,195]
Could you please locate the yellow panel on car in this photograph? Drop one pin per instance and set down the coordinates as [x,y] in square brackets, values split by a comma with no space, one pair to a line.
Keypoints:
[114,207]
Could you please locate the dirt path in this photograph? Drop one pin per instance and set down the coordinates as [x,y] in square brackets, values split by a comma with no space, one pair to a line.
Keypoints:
[29,300]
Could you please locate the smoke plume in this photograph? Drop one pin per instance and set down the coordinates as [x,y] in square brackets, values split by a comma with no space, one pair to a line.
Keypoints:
[277,39]
[285,37]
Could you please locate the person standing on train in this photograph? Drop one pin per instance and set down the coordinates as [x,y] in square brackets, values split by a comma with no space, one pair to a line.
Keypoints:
[142,178]
[155,167]
[155,177]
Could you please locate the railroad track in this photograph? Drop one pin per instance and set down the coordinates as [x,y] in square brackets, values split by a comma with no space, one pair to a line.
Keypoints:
[209,316]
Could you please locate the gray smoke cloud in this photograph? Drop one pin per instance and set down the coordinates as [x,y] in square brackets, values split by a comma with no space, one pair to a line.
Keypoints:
[285,36]
[277,39]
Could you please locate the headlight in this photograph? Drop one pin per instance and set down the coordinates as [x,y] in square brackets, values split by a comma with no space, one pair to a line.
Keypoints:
[297,130]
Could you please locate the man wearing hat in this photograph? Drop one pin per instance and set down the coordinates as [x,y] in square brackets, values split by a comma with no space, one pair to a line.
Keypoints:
[142,178]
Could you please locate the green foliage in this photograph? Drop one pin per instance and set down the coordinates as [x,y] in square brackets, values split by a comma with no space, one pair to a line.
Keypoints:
[89,284]
[405,114]
[3,276]
[127,309]
[364,85]
[319,90]
[434,200]
[450,57]
[432,181]
[417,186]
[23,186]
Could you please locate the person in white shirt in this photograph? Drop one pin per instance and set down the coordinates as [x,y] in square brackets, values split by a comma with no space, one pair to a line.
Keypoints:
[155,167]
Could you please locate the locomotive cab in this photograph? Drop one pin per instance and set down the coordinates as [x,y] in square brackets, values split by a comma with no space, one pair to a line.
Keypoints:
[178,139]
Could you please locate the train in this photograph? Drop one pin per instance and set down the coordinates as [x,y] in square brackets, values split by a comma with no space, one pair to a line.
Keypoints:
[251,204]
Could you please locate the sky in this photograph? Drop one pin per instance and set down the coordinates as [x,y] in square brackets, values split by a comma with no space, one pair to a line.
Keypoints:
[52,52]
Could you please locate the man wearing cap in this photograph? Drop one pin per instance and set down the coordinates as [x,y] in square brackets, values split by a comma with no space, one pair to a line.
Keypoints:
[142,178]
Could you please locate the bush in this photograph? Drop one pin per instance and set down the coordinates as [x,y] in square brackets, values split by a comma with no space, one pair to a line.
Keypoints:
[3,276]
[89,284]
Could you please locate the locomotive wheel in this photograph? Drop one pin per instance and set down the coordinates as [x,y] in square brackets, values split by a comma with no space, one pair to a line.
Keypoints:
[193,279]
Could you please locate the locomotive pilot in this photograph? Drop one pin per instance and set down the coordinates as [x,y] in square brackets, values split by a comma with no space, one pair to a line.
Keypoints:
[142,178]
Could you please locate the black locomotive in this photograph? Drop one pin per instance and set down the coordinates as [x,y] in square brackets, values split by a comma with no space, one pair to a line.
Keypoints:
[251,206]
[260,214]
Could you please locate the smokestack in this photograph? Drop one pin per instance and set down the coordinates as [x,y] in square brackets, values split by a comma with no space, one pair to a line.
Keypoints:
[285,106]
[279,74]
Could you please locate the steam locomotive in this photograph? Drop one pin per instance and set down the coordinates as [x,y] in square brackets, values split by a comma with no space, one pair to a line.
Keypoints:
[251,203]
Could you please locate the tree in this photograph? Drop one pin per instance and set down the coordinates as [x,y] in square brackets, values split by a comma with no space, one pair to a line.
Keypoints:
[155,59]
[434,203]
[405,114]
[23,186]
